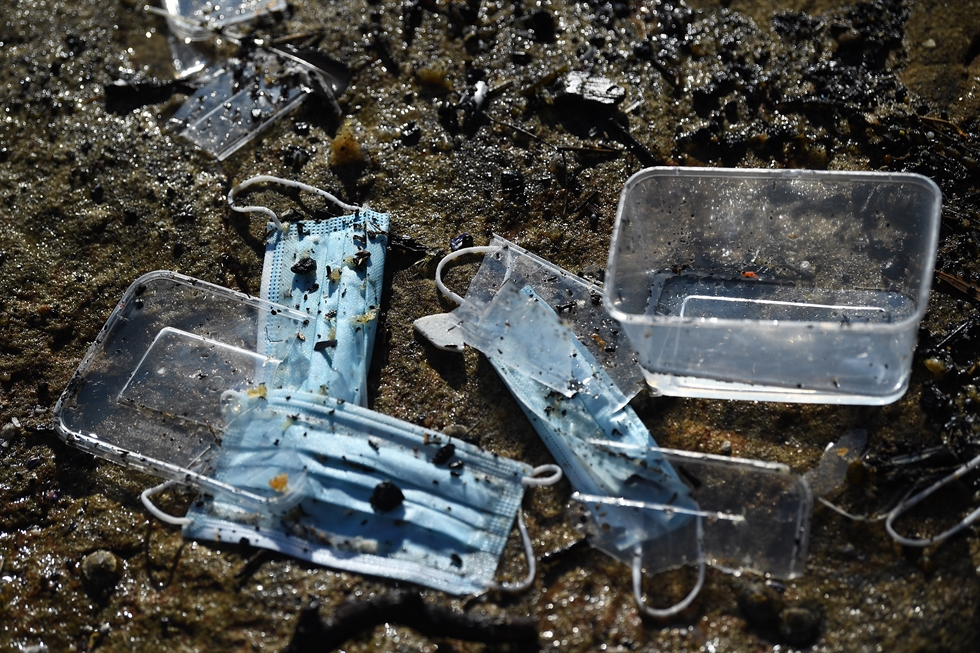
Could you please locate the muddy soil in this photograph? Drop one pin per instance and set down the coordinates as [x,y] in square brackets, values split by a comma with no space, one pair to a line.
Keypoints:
[94,193]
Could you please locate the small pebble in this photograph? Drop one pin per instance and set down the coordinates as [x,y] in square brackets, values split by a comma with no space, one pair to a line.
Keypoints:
[799,625]
[305,265]
[759,603]
[726,448]
[935,366]
[102,570]
[929,44]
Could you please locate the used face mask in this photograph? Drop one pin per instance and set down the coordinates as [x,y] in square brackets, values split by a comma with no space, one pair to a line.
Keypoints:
[372,494]
[332,270]
[576,301]
[630,500]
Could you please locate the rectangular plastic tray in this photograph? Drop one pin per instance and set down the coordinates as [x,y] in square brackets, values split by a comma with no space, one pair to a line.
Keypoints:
[149,392]
[776,285]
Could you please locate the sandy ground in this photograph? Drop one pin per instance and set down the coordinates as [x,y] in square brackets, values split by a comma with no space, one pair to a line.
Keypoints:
[91,198]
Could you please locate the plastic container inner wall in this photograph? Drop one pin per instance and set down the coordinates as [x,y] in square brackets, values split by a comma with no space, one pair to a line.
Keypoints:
[777,285]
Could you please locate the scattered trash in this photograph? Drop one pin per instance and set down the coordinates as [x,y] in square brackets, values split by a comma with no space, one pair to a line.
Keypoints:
[651,508]
[589,106]
[830,473]
[148,392]
[774,285]
[241,98]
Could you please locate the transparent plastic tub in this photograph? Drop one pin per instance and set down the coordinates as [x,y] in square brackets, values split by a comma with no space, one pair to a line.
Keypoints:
[775,285]
[151,392]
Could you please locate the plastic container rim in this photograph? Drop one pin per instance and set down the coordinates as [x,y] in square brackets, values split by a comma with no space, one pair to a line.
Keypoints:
[932,235]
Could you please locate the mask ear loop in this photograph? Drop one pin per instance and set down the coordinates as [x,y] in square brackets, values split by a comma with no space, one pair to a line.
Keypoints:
[269,213]
[449,294]
[156,512]
[910,501]
[532,569]
[676,608]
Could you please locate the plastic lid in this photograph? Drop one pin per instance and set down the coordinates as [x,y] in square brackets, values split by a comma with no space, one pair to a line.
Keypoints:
[748,515]
[149,392]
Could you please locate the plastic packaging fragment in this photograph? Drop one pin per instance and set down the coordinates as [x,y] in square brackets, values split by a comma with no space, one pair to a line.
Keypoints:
[829,474]
[192,22]
[240,98]
[575,300]
[378,495]
[196,20]
[753,516]
[148,392]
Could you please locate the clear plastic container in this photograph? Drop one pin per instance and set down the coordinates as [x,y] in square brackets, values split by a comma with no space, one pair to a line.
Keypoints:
[151,391]
[775,285]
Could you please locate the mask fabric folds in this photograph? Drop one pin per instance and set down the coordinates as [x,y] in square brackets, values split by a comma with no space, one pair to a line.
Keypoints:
[376,495]
[570,425]
[332,270]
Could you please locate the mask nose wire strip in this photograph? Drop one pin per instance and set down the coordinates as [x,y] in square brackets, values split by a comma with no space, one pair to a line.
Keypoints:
[269,213]
[449,294]
[532,570]
[910,501]
[156,512]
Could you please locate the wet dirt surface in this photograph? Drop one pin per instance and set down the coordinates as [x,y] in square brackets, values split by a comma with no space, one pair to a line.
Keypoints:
[91,198]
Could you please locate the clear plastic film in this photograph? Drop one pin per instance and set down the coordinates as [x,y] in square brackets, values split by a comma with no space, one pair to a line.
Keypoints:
[743,515]
[149,392]
[486,311]
[195,20]
[240,99]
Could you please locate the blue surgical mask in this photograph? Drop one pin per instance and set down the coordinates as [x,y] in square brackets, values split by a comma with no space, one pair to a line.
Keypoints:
[331,270]
[376,495]
[568,425]
[630,500]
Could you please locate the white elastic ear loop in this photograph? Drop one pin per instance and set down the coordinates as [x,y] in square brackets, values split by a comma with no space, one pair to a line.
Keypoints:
[449,294]
[674,609]
[156,512]
[532,570]
[269,213]
[851,516]
[678,607]
[534,480]
[908,502]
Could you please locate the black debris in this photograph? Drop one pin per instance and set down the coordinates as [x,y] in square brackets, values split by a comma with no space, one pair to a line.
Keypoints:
[324,344]
[305,265]
[444,454]
[386,497]
[461,241]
